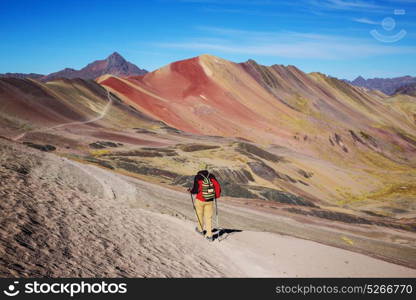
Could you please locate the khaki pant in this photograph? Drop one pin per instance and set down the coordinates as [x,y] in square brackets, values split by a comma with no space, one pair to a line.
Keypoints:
[204,211]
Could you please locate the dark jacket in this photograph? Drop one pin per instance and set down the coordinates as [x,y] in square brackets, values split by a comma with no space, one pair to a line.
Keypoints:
[197,188]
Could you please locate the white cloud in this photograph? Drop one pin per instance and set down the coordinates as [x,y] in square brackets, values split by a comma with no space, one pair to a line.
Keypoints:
[350,5]
[232,2]
[277,35]
[295,50]
[251,12]
[366,21]
[236,32]
[285,44]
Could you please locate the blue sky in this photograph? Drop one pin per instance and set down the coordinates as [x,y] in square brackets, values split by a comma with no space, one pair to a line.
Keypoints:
[342,38]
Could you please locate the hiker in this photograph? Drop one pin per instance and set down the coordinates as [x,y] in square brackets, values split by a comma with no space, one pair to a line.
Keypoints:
[207,189]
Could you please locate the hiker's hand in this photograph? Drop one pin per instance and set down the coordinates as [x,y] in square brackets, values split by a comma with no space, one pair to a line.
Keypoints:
[188,189]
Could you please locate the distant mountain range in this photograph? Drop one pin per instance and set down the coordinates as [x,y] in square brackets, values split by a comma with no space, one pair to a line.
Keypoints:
[386,85]
[114,64]
[408,89]
[23,75]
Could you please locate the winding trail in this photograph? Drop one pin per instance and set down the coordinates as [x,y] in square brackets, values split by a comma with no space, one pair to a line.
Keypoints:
[248,253]
[99,117]
[63,218]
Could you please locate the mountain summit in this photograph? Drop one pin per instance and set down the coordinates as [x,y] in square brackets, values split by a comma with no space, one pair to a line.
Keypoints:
[114,64]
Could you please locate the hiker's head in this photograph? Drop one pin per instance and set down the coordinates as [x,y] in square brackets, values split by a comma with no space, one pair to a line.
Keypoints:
[203,166]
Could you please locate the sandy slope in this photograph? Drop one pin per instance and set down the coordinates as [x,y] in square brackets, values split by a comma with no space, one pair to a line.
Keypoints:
[62,218]
[263,254]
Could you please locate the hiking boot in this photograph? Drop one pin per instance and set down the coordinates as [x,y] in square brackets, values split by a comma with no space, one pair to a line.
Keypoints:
[210,238]
[200,232]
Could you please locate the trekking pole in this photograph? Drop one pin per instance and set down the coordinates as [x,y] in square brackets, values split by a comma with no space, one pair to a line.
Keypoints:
[193,205]
[216,213]
[217,217]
